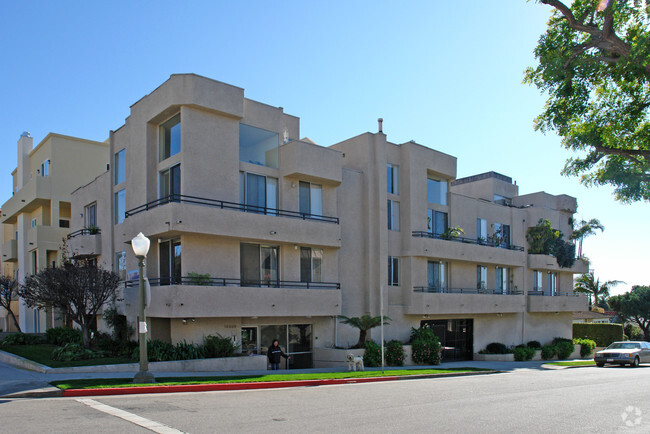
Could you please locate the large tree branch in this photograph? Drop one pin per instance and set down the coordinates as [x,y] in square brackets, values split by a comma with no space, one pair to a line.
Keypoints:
[622,152]
[573,22]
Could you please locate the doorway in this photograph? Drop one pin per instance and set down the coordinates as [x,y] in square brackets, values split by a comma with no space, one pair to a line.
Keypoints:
[294,339]
[456,336]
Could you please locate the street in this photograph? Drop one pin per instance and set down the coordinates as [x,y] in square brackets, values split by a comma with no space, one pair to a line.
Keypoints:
[609,399]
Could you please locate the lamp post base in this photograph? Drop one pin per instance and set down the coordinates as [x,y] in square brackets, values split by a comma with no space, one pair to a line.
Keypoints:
[143,377]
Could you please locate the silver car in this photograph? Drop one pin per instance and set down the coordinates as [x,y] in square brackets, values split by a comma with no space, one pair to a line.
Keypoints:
[624,353]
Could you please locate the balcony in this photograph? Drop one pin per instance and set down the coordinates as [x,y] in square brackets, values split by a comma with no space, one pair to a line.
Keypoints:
[466,249]
[85,243]
[10,251]
[431,301]
[541,301]
[311,162]
[548,262]
[37,192]
[224,297]
[46,237]
[215,217]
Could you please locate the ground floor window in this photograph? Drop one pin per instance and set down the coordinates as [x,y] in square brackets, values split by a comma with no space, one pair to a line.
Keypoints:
[294,339]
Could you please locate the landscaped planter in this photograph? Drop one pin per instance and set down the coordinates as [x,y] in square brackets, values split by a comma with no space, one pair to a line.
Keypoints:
[494,357]
[337,357]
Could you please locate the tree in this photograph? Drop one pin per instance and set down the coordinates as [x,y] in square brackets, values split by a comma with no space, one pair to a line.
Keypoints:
[583,230]
[77,289]
[8,291]
[593,64]
[636,306]
[588,284]
[543,239]
[364,323]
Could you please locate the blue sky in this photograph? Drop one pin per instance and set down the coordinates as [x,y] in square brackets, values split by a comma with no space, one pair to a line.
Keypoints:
[445,74]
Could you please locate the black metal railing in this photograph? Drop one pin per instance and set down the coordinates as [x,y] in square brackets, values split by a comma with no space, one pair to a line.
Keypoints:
[226,281]
[77,233]
[541,293]
[181,198]
[439,290]
[489,243]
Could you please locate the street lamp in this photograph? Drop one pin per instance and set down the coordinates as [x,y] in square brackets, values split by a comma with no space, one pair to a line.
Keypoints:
[140,245]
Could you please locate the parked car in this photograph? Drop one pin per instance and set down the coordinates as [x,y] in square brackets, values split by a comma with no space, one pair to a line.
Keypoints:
[624,353]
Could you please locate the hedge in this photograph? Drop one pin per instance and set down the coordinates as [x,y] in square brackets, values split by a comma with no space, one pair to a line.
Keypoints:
[602,334]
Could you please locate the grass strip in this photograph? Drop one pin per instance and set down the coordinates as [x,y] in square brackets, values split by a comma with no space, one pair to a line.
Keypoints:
[102,383]
[575,363]
[42,353]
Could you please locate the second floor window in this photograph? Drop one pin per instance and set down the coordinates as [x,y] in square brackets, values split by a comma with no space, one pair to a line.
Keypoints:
[537,281]
[393,271]
[259,265]
[170,137]
[437,191]
[170,182]
[481,230]
[501,280]
[437,222]
[119,167]
[45,168]
[437,276]
[258,192]
[90,215]
[311,198]
[501,235]
[169,261]
[552,283]
[392,178]
[393,215]
[34,223]
[481,277]
[120,206]
[311,262]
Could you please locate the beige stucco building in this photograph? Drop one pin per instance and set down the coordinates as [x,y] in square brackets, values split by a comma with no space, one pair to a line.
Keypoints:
[257,233]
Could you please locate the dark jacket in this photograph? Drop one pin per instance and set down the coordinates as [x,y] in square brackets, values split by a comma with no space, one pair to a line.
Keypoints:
[274,354]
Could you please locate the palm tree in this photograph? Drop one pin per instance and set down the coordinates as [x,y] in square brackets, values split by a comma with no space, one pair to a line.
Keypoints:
[585,229]
[364,323]
[591,286]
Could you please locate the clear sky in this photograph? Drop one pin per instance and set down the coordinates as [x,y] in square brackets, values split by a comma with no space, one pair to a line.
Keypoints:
[445,74]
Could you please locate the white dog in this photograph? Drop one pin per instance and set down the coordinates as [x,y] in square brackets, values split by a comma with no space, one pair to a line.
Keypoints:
[355,363]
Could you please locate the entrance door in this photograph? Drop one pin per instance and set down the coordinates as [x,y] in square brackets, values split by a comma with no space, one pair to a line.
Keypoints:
[456,336]
[299,339]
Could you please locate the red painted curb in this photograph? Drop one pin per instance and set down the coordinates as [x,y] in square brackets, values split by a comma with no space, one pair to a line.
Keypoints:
[222,386]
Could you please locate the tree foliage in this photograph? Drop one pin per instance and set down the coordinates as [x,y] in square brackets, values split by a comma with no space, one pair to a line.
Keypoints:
[594,65]
[77,289]
[635,305]
[363,323]
[597,292]
[583,229]
[543,239]
[8,291]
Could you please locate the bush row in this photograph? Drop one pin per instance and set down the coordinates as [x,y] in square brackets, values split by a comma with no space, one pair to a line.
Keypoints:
[560,347]
[425,350]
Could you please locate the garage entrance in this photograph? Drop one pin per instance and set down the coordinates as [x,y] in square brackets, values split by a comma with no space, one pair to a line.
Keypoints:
[456,336]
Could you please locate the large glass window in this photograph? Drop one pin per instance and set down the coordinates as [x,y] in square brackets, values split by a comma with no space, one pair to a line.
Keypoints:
[537,281]
[393,215]
[120,206]
[437,191]
[502,200]
[120,265]
[392,178]
[501,280]
[437,222]
[90,215]
[310,198]
[481,230]
[170,183]
[170,137]
[119,167]
[259,265]
[258,192]
[311,264]
[393,271]
[501,235]
[552,283]
[169,261]
[437,276]
[258,146]
[481,277]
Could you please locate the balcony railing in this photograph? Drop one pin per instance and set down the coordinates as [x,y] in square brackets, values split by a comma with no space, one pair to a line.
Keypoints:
[541,293]
[490,243]
[80,232]
[180,198]
[439,290]
[225,281]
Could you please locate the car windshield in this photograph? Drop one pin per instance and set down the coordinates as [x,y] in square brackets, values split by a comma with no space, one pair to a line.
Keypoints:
[624,346]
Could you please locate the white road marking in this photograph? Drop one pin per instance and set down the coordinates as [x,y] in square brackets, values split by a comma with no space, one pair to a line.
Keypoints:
[130,417]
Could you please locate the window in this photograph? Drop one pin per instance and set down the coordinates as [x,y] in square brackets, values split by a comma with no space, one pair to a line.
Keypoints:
[64,223]
[392,178]
[437,276]
[502,200]
[45,168]
[170,137]
[259,265]
[259,193]
[311,261]
[481,277]
[437,191]
[537,281]
[170,183]
[90,215]
[501,280]
[481,230]
[258,146]
[34,262]
[437,222]
[119,167]
[34,222]
[310,198]
[552,283]
[120,206]
[393,215]
[393,271]
[120,265]
[169,262]
[501,235]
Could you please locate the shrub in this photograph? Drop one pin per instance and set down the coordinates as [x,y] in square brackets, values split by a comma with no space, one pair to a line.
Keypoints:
[63,335]
[394,353]
[602,334]
[634,333]
[557,340]
[587,346]
[523,353]
[372,355]
[425,346]
[563,349]
[121,329]
[497,348]
[534,344]
[199,279]
[22,339]
[73,351]
[187,351]
[548,351]
[218,346]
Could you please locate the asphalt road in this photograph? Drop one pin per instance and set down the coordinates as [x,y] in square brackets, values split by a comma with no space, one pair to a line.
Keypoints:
[608,400]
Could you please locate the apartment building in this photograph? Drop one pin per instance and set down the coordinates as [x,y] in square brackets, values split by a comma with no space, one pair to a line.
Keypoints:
[36,219]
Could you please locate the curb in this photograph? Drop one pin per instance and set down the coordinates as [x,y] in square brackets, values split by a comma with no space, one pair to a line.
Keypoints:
[256,385]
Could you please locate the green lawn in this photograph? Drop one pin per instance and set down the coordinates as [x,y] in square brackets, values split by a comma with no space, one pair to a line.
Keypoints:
[42,354]
[576,363]
[100,383]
